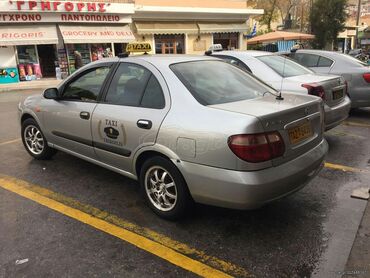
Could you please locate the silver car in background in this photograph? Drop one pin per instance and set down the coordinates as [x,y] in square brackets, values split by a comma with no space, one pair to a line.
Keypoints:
[354,71]
[286,75]
[189,128]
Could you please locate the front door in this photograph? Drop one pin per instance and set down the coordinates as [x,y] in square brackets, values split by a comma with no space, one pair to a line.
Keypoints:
[130,115]
[68,121]
[169,44]
[47,59]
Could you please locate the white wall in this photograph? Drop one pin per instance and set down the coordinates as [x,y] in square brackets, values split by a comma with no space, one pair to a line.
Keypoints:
[7,57]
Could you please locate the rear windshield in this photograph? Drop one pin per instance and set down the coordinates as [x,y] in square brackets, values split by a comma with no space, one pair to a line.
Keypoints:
[217,82]
[284,66]
[353,60]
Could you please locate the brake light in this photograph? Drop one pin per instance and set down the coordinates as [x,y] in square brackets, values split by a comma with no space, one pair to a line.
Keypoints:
[367,77]
[257,147]
[346,84]
[315,90]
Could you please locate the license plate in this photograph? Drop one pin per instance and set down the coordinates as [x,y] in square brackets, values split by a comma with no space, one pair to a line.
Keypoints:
[337,94]
[299,133]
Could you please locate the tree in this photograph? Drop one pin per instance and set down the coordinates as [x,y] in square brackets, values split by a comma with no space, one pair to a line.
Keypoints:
[327,19]
[270,8]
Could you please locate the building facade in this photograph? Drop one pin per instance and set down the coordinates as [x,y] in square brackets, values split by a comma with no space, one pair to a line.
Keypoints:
[43,38]
[190,27]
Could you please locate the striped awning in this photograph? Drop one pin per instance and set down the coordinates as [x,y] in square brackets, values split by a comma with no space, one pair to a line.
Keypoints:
[222,27]
[155,28]
[28,34]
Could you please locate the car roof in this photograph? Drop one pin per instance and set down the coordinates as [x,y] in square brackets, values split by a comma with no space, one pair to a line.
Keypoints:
[322,52]
[167,59]
[243,54]
[157,59]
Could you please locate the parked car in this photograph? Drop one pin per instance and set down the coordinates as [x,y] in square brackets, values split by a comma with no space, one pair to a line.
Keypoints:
[354,71]
[286,75]
[189,128]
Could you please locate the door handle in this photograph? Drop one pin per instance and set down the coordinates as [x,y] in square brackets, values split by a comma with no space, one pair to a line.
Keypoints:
[85,115]
[145,124]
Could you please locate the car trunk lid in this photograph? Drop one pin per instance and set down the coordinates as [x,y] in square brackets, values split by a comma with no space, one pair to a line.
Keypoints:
[333,86]
[298,119]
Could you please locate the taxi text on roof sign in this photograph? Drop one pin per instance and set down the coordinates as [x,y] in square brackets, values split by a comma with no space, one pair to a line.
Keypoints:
[138,47]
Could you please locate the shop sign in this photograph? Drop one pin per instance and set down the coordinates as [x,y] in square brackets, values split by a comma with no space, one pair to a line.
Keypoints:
[63,17]
[44,6]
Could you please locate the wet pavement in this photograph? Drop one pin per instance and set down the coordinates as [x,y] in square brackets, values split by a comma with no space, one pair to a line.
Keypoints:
[310,233]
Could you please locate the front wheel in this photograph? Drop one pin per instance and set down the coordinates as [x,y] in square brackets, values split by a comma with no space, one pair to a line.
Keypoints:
[34,141]
[164,188]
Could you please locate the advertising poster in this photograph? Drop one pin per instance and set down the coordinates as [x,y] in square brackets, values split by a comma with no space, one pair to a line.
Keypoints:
[9,75]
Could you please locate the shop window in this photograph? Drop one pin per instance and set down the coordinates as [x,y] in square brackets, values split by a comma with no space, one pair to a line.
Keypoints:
[228,41]
[169,44]
[100,51]
[28,63]
[87,86]
[79,53]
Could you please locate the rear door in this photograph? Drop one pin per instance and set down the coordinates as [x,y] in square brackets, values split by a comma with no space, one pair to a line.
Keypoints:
[130,114]
[68,120]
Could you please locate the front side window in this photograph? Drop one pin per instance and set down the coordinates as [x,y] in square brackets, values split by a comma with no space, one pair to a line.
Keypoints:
[216,82]
[87,86]
[283,66]
[134,85]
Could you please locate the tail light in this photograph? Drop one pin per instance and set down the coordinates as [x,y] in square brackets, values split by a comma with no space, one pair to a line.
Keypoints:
[346,84]
[257,147]
[315,90]
[367,77]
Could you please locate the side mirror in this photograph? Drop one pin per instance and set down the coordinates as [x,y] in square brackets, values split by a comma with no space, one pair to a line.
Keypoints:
[51,93]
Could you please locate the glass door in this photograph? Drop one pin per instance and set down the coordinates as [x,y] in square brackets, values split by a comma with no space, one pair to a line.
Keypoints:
[169,44]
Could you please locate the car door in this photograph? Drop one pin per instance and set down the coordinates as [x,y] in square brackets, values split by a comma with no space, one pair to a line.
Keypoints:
[68,119]
[130,114]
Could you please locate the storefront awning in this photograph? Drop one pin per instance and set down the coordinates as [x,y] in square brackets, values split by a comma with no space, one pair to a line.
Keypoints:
[28,35]
[222,28]
[166,28]
[96,34]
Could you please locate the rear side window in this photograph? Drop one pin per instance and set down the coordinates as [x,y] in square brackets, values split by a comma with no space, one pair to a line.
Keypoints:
[324,62]
[134,85]
[308,60]
[284,66]
[153,96]
[216,82]
[234,61]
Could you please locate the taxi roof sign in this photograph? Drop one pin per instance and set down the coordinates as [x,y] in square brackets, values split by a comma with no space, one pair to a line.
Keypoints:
[138,47]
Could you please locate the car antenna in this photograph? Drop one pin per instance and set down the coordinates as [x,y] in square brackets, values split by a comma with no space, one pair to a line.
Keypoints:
[279,96]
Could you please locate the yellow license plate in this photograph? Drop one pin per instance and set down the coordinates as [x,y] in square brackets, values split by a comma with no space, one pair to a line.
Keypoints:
[299,133]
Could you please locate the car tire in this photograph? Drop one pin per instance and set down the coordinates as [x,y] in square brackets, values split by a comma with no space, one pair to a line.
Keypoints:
[34,140]
[164,188]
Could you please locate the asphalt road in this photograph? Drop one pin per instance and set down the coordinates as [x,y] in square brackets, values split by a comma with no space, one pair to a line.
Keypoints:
[307,234]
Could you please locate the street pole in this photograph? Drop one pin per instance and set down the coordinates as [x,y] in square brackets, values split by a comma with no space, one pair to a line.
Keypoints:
[357,22]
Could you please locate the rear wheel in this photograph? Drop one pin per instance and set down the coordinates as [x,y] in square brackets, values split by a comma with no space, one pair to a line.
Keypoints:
[34,141]
[164,188]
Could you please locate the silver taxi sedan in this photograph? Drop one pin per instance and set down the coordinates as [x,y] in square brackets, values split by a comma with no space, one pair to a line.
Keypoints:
[189,128]
[285,74]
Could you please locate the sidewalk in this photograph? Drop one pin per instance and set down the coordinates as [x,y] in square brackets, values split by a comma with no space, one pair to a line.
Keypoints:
[358,264]
[41,84]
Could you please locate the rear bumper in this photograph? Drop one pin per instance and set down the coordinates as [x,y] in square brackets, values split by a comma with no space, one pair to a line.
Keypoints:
[360,96]
[337,114]
[248,190]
